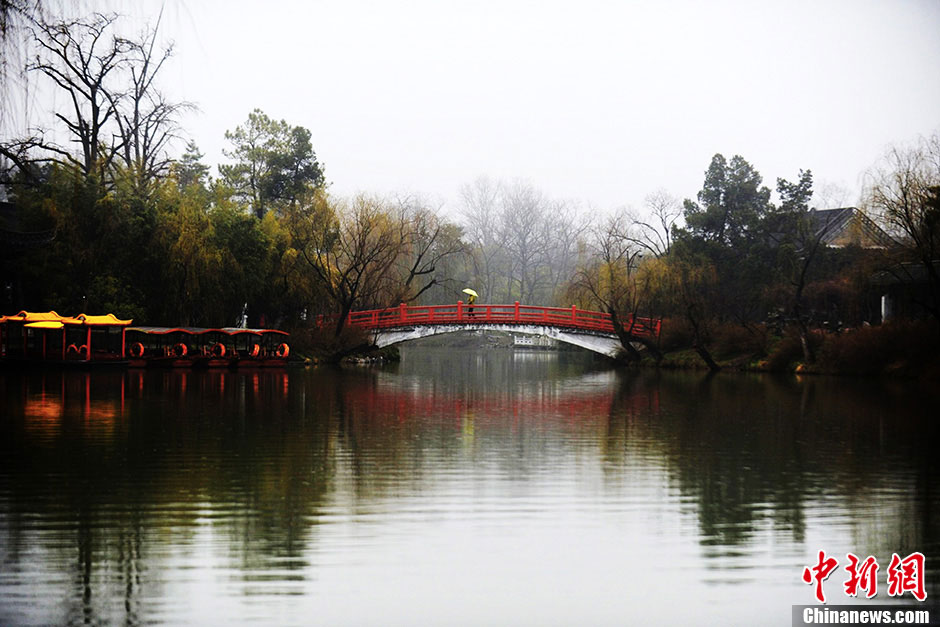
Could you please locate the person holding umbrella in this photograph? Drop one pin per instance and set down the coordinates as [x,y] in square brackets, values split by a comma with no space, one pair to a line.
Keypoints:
[472,297]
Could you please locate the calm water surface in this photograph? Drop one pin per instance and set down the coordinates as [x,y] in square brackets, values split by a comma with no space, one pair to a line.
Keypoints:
[455,488]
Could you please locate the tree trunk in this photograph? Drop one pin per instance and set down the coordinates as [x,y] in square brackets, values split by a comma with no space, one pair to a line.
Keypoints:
[651,347]
[706,357]
[809,355]
[341,320]
[626,339]
[697,343]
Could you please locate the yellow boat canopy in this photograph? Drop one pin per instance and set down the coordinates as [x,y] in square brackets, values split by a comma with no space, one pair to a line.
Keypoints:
[106,319]
[44,324]
[33,320]
[32,316]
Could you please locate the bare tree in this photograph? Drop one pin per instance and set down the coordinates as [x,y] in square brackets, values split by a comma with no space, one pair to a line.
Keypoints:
[610,279]
[527,225]
[79,57]
[568,248]
[525,246]
[483,232]
[904,191]
[147,122]
[114,116]
[429,242]
[606,276]
[803,240]
[831,195]
[652,232]
[352,248]
[21,155]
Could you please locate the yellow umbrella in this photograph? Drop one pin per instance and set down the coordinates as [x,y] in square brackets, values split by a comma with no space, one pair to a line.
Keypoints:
[467,290]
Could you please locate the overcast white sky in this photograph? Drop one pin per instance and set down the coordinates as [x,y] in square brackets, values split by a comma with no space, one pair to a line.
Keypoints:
[596,102]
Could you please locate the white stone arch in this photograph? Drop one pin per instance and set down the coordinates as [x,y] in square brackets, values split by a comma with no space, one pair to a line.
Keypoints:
[603,343]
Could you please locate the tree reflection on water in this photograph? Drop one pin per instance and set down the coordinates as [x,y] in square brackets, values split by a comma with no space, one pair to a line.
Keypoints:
[113,486]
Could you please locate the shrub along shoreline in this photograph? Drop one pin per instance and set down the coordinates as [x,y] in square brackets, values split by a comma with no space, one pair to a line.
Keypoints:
[898,349]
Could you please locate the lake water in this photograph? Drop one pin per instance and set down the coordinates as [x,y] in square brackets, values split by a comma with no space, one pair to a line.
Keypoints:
[459,487]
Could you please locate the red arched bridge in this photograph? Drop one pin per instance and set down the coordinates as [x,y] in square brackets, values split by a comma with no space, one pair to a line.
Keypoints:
[593,330]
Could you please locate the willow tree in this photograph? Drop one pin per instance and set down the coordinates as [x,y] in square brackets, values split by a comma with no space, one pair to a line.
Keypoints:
[610,279]
[351,248]
[686,283]
[193,268]
[16,16]
[369,252]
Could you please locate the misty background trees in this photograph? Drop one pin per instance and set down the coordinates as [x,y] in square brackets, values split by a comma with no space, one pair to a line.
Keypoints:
[143,229]
[524,246]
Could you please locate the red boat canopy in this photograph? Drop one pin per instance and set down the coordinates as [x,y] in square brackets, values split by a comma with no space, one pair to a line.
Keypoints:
[203,330]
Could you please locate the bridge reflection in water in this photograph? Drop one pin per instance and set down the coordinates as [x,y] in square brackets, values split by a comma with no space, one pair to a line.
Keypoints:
[542,483]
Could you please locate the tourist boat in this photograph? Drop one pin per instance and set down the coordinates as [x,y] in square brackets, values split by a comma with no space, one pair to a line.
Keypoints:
[258,348]
[160,347]
[50,338]
[197,347]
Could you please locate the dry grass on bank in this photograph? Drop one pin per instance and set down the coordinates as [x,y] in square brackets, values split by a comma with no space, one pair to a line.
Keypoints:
[905,349]
[900,348]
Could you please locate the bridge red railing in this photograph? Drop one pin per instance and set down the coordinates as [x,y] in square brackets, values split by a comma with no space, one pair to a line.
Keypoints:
[462,313]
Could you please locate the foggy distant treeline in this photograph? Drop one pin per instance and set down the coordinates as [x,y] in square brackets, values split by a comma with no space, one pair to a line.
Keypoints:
[133,227]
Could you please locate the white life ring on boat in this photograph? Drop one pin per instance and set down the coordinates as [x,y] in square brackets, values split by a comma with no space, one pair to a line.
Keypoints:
[136,350]
[283,350]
